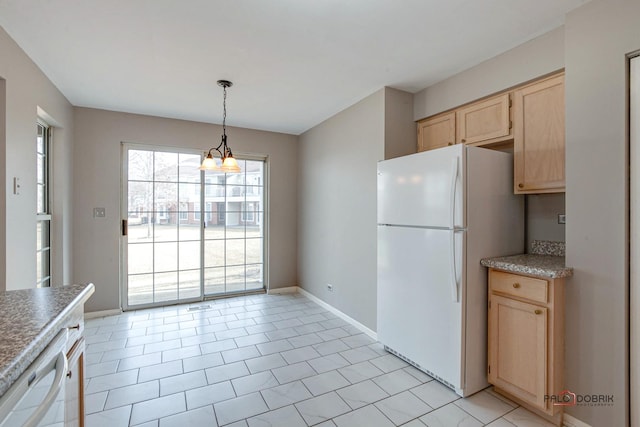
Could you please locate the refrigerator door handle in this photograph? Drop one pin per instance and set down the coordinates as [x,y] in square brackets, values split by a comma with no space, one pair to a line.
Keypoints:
[452,195]
[452,245]
[452,263]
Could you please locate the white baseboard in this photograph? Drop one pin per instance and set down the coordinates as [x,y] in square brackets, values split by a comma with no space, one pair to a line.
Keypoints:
[569,421]
[103,313]
[287,290]
[338,313]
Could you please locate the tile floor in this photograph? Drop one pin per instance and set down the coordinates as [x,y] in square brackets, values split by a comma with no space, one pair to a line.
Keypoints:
[264,360]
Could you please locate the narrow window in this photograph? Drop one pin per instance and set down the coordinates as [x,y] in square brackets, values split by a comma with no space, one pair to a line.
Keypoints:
[43,214]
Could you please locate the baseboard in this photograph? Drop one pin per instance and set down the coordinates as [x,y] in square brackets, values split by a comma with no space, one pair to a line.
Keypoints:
[569,421]
[287,290]
[103,313]
[338,313]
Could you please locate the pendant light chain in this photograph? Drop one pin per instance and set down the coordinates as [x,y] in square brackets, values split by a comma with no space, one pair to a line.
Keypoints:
[224,110]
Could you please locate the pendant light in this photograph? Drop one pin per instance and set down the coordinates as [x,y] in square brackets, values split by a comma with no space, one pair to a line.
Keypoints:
[229,163]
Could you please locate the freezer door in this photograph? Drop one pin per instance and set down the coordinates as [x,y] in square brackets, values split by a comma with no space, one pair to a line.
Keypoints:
[424,189]
[417,316]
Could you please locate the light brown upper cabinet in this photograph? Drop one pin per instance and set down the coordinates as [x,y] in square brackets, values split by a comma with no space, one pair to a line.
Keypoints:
[437,132]
[485,122]
[538,143]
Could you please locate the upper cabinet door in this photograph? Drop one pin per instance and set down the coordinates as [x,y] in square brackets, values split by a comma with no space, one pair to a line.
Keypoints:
[437,132]
[485,122]
[539,137]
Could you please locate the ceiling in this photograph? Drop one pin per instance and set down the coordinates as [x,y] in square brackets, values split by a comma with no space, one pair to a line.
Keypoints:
[294,63]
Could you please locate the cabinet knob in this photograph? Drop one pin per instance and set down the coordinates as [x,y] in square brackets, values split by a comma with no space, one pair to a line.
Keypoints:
[463,140]
[69,374]
[450,143]
[516,285]
[538,312]
[520,185]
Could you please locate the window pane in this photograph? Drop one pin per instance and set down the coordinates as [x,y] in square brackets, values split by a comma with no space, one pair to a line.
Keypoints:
[166,199]
[214,253]
[140,258]
[166,286]
[140,289]
[214,280]
[165,257]
[189,255]
[40,205]
[140,165]
[212,230]
[165,166]
[235,278]
[189,194]
[140,196]
[40,176]
[254,251]
[188,167]
[38,268]
[189,285]
[235,252]
[189,230]
[163,232]
[255,276]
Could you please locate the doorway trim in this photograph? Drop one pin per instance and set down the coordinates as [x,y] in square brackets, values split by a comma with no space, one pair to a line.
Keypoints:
[634,235]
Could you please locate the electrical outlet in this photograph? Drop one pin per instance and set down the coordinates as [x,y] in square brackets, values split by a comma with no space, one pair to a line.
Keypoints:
[99,212]
[562,219]
[329,287]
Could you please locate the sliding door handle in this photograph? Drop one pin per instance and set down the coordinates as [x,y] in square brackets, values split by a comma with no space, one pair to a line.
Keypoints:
[125,227]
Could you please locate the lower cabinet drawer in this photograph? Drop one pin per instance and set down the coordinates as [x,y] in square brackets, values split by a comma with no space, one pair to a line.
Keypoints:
[519,286]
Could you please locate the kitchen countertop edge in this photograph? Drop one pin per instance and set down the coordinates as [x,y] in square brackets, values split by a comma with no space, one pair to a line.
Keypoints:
[547,266]
[16,367]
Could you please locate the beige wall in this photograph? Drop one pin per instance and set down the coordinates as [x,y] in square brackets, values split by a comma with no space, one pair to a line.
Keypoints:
[537,57]
[337,208]
[399,128]
[28,94]
[98,136]
[542,217]
[337,198]
[598,36]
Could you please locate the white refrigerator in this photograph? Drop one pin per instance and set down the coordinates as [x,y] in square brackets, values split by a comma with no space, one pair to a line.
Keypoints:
[439,213]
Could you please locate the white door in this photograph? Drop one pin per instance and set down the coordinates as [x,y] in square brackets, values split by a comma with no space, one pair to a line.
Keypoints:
[424,189]
[417,316]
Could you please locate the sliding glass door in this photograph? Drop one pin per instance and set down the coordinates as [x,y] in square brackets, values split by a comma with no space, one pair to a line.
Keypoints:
[189,234]
[234,230]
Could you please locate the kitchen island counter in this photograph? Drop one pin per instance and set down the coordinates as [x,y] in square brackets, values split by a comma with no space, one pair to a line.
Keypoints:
[29,320]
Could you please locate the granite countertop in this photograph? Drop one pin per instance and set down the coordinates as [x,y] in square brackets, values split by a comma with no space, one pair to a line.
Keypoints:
[29,320]
[546,260]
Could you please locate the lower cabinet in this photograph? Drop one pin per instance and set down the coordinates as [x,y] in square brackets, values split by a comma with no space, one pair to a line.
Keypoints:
[526,340]
[74,388]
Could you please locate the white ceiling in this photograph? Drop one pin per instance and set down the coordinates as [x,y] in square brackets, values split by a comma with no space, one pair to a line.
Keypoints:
[293,63]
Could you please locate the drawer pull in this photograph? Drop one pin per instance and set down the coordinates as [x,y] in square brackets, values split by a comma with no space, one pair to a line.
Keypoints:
[538,312]
[76,327]
[516,285]
[69,374]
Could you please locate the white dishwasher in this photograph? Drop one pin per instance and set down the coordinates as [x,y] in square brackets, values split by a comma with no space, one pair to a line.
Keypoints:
[37,397]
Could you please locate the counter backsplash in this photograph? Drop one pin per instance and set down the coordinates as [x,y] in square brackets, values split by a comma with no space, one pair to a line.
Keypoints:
[547,247]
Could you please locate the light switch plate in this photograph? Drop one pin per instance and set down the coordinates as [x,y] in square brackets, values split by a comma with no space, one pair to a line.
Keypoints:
[99,212]
[562,219]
